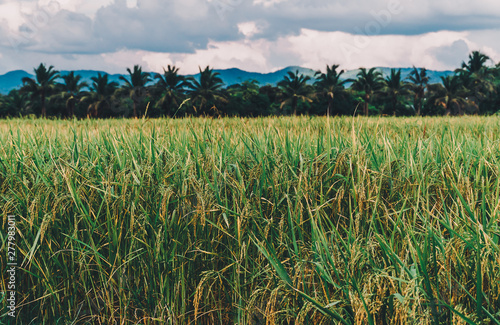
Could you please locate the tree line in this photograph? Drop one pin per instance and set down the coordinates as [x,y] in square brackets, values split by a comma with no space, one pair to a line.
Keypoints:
[474,88]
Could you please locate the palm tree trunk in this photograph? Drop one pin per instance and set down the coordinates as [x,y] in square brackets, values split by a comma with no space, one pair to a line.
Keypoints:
[294,106]
[367,98]
[329,109]
[419,105]
[135,109]
[44,111]
[70,107]
[200,109]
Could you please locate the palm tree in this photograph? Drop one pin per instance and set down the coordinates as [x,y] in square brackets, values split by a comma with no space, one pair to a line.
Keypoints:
[171,85]
[395,88]
[330,85]
[42,85]
[136,86]
[477,78]
[246,99]
[369,82]
[71,90]
[15,103]
[477,61]
[100,94]
[206,90]
[449,94]
[4,108]
[295,88]
[419,81]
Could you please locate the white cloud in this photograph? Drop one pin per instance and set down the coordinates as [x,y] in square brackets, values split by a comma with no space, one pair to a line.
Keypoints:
[315,49]
[267,3]
[156,61]
[10,12]
[249,28]
[118,61]
[258,35]
[438,51]
[86,7]
[250,55]
[484,40]
[132,3]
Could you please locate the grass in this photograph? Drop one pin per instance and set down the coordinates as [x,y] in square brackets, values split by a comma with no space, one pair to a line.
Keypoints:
[253,221]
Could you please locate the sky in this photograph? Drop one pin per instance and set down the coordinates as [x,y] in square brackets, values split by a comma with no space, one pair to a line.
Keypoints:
[253,35]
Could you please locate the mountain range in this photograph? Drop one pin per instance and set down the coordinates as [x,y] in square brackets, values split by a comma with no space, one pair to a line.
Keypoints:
[12,79]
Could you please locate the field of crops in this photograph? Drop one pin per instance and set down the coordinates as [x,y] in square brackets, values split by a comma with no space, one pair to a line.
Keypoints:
[291,220]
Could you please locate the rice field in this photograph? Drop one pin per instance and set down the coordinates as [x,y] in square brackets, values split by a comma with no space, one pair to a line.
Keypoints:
[290,220]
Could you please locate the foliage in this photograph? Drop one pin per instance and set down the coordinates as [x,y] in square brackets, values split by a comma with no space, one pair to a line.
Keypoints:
[394,91]
[449,95]
[42,86]
[295,90]
[135,86]
[418,84]
[369,83]
[330,85]
[70,92]
[206,93]
[170,87]
[474,88]
[99,98]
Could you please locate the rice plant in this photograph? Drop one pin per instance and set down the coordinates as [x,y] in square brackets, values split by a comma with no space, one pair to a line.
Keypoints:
[253,221]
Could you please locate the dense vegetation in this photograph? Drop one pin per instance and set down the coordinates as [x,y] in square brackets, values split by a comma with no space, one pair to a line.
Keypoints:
[473,89]
[305,220]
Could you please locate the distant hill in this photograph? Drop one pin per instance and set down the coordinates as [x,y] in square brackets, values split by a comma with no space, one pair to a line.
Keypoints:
[12,79]
[234,75]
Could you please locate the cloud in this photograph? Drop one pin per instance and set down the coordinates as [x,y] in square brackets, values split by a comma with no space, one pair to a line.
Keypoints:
[65,32]
[452,55]
[315,49]
[250,55]
[249,28]
[10,13]
[161,26]
[175,26]
[259,35]
[188,25]
[443,50]
[406,17]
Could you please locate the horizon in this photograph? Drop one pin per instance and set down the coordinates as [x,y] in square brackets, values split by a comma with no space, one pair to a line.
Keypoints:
[258,36]
[224,69]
